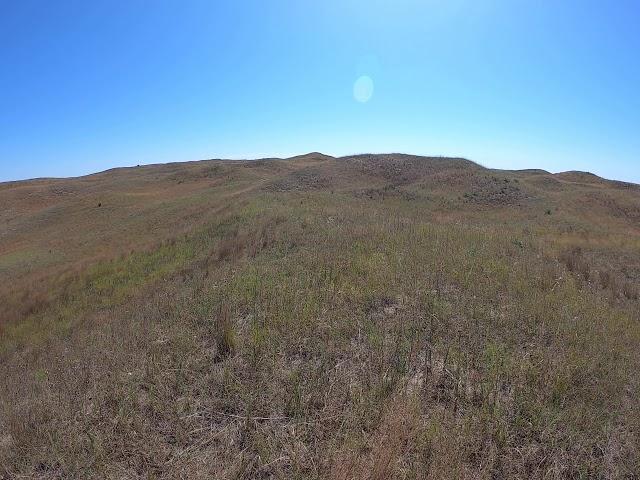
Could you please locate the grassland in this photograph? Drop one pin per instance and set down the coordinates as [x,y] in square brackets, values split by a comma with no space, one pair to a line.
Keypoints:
[365,317]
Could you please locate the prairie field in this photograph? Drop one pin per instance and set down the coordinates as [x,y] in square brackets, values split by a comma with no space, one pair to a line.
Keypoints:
[366,317]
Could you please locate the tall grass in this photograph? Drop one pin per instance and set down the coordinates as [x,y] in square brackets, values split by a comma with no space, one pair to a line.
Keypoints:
[317,335]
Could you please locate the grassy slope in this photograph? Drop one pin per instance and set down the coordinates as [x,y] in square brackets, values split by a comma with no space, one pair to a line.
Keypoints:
[367,317]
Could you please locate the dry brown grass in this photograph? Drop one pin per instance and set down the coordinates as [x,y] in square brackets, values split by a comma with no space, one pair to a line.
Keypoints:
[316,333]
[383,455]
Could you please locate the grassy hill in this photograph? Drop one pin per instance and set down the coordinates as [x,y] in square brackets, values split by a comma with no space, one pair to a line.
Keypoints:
[373,316]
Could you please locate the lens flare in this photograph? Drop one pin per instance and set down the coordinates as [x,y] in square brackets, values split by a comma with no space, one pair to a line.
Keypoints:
[363,89]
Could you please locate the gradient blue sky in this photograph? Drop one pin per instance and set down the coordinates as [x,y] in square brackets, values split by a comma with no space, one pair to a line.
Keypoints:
[89,85]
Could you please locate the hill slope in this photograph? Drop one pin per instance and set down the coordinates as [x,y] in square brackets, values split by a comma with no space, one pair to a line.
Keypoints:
[373,316]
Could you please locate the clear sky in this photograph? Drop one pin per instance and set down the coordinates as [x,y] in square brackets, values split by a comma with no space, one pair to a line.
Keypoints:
[89,85]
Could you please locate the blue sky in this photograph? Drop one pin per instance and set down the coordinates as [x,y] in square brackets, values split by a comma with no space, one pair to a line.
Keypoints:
[89,85]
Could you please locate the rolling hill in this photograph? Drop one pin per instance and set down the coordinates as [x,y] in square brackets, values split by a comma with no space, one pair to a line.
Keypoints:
[371,316]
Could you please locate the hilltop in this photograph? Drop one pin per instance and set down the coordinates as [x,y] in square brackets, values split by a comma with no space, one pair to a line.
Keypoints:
[370,316]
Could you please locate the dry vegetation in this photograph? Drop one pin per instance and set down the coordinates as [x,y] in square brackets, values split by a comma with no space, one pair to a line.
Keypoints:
[370,317]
